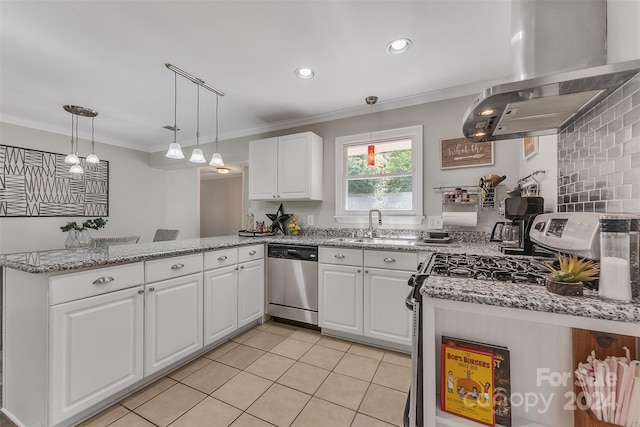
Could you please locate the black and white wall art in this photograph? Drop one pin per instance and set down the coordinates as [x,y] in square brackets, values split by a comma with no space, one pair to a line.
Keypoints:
[38,184]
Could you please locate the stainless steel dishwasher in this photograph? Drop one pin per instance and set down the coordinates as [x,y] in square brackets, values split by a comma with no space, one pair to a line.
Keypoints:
[292,286]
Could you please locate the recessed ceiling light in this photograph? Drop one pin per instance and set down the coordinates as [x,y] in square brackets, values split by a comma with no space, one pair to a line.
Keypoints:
[487,112]
[398,46]
[304,73]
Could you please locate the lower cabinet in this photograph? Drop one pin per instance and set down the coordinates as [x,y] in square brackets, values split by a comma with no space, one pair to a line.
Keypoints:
[96,350]
[250,291]
[173,321]
[340,290]
[386,316]
[220,303]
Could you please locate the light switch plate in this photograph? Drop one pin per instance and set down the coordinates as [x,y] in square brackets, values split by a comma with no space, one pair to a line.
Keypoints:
[434,222]
[309,219]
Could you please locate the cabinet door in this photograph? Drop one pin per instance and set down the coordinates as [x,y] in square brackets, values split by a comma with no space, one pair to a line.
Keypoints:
[294,155]
[173,321]
[340,298]
[250,291]
[220,303]
[386,316]
[96,350]
[263,175]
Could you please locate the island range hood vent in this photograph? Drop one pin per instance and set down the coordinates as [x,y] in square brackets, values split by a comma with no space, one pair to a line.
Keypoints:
[558,48]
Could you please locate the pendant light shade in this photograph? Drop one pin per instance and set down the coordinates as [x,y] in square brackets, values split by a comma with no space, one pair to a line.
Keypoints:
[371,149]
[175,150]
[197,156]
[71,159]
[371,155]
[92,159]
[77,169]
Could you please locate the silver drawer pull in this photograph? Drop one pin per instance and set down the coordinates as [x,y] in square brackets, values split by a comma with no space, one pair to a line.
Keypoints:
[222,258]
[389,259]
[103,280]
[339,256]
[140,292]
[177,266]
[252,253]
[152,289]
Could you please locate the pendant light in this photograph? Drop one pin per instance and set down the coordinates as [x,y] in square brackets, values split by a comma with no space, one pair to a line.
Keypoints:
[71,158]
[175,150]
[216,159]
[371,149]
[197,156]
[92,158]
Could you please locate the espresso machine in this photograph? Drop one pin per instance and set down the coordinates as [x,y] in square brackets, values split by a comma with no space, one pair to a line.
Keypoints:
[521,211]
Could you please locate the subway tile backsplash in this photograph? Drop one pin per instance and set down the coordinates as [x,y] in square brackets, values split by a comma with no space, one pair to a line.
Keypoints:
[599,156]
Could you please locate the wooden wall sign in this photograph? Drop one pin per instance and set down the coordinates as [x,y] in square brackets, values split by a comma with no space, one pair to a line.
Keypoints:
[529,147]
[462,153]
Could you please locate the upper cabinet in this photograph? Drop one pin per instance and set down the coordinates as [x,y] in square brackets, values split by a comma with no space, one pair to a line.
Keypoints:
[286,168]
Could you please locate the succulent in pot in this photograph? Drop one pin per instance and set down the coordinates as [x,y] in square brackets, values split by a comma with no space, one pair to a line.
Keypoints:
[568,278]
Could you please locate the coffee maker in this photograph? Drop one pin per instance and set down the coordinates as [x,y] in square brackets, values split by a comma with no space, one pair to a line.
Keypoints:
[521,211]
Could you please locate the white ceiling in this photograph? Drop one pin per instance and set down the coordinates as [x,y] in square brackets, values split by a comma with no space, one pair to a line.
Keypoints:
[110,56]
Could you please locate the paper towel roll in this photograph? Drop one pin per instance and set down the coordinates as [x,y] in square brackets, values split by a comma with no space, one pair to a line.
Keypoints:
[460,219]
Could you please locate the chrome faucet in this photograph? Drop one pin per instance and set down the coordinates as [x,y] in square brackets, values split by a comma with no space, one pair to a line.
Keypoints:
[371,231]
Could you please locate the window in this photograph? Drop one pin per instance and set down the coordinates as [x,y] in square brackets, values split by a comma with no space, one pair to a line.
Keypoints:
[393,184]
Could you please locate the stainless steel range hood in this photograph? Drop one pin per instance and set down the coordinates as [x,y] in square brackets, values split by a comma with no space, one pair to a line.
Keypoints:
[558,50]
[542,105]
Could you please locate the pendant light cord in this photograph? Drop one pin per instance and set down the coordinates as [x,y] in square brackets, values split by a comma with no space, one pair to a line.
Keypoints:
[217,99]
[175,106]
[77,137]
[198,118]
[93,142]
[71,134]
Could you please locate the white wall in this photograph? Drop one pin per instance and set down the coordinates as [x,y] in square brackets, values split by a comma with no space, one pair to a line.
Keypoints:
[141,198]
[545,160]
[220,206]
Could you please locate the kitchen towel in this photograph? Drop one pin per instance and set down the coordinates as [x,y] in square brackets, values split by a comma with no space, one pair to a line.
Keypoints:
[460,219]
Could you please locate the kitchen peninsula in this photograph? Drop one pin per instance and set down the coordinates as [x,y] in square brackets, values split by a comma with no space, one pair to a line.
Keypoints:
[45,292]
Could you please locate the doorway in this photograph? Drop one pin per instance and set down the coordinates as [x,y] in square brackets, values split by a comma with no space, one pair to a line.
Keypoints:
[220,203]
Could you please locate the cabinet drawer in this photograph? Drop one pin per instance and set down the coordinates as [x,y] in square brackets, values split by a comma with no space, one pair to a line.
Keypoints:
[73,286]
[249,253]
[391,259]
[221,258]
[340,256]
[168,268]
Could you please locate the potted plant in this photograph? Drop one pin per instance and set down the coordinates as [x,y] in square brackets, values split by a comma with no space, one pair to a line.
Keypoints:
[78,235]
[568,278]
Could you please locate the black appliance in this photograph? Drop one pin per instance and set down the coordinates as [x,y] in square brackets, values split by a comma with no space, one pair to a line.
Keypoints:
[522,211]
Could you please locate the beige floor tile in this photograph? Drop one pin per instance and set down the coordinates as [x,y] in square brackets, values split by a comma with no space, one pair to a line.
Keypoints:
[262,327]
[343,390]
[210,377]
[393,376]
[366,351]
[106,417]
[219,351]
[189,368]
[303,377]
[166,407]
[285,331]
[322,357]
[306,336]
[293,349]
[397,358]
[246,335]
[264,340]
[362,420]
[210,413]
[319,413]
[241,356]
[334,343]
[242,390]
[279,405]
[132,420]
[147,393]
[270,366]
[355,366]
[384,403]
[247,420]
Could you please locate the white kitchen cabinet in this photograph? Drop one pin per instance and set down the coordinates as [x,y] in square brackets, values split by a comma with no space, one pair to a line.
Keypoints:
[96,350]
[220,303]
[250,291]
[386,316]
[340,290]
[173,321]
[286,167]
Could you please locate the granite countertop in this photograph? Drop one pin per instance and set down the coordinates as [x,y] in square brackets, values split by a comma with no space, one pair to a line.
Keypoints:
[529,297]
[61,260]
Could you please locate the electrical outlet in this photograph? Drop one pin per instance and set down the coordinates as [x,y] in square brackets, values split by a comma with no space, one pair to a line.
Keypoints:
[309,219]
[434,222]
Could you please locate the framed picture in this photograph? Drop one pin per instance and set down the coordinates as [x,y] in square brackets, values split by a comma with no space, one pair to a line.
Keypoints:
[529,147]
[462,153]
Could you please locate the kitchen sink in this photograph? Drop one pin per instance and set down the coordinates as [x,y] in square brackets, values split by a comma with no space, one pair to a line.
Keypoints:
[375,241]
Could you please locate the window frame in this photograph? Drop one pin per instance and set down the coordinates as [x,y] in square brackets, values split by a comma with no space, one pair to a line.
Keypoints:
[414,216]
